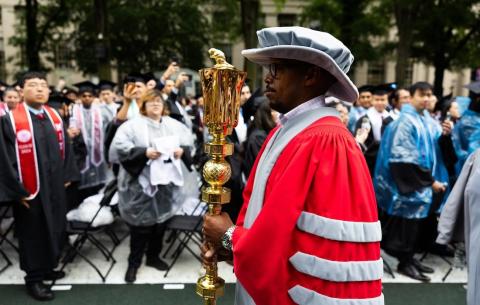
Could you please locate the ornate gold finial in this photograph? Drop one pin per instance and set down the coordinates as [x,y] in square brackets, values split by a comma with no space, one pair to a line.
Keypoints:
[220,60]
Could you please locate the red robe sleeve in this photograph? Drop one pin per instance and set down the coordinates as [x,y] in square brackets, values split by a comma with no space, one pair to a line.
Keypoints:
[317,234]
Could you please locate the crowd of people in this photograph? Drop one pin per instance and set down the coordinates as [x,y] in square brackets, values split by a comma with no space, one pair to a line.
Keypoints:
[64,144]
[61,145]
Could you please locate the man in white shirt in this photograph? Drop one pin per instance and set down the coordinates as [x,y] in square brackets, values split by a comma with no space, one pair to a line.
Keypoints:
[372,122]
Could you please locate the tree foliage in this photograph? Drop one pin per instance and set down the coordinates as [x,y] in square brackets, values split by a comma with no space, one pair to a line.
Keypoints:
[143,35]
[354,22]
[448,36]
[38,24]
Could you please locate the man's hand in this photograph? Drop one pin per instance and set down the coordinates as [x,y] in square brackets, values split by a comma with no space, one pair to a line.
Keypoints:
[447,127]
[67,184]
[208,254]
[172,68]
[24,202]
[152,154]
[128,92]
[177,154]
[361,136]
[73,132]
[214,226]
[438,187]
[182,77]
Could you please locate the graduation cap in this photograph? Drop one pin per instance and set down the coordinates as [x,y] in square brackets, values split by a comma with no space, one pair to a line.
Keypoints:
[86,86]
[474,87]
[57,100]
[385,89]
[106,85]
[365,88]
[136,77]
[444,104]
[67,90]
[150,76]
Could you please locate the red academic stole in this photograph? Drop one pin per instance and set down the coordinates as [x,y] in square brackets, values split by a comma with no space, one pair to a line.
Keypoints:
[96,153]
[25,145]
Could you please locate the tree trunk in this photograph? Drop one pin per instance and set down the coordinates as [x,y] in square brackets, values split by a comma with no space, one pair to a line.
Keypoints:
[102,46]
[403,56]
[33,57]
[440,65]
[249,9]
[403,12]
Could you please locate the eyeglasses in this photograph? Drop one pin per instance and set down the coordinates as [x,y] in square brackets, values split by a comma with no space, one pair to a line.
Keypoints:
[272,69]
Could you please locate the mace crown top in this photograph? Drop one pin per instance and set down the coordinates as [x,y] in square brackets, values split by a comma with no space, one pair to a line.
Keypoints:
[220,60]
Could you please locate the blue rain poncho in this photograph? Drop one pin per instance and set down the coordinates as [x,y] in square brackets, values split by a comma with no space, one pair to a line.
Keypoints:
[466,137]
[440,172]
[406,140]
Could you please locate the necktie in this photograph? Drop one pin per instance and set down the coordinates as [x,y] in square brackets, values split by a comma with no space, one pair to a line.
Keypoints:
[40,116]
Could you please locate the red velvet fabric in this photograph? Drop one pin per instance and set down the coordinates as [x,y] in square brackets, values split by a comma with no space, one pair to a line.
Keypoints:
[321,171]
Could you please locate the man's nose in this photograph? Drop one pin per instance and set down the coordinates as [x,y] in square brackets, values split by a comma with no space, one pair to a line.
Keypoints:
[268,78]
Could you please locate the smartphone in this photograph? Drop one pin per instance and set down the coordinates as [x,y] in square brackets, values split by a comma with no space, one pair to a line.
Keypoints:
[175,60]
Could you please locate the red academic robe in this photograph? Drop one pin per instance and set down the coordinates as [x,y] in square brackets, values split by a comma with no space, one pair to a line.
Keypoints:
[321,171]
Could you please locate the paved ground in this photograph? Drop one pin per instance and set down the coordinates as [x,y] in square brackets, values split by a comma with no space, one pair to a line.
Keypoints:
[186,270]
[143,294]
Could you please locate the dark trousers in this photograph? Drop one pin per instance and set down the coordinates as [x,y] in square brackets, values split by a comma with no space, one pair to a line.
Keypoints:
[36,275]
[35,252]
[400,236]
[73,196]
[145,240]
[428,234]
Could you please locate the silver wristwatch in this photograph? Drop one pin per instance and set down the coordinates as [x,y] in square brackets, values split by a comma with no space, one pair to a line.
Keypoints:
[227,238]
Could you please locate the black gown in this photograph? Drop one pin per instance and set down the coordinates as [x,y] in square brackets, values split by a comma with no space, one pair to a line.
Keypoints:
[371,145]
[254,143]
[41,228]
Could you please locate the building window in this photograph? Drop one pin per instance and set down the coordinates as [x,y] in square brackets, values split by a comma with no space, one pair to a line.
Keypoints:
[63,57]
[409,73]
[286,19]
[376,72]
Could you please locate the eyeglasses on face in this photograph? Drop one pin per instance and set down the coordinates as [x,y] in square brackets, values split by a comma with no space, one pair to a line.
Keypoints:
[275,67]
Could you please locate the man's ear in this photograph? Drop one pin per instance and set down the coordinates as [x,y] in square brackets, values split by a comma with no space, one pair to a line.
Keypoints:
[311,77]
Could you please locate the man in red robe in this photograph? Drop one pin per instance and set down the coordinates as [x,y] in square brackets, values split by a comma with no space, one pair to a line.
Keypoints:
[308,232]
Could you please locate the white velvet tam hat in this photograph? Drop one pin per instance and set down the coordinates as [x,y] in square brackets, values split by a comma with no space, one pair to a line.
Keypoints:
[318,48]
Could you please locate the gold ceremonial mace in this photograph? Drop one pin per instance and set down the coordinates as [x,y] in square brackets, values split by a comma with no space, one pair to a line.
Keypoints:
[221,90]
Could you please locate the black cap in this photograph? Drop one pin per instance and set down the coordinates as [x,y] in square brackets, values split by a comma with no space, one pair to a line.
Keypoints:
[150,76]
[106,85]
[56,100]
[67,89]
[86,86]
[365,88]
[136,77]
[385,89]
[444,103]
[474,87]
